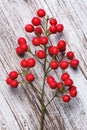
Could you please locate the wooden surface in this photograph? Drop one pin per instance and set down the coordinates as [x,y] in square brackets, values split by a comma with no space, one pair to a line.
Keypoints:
[19,108]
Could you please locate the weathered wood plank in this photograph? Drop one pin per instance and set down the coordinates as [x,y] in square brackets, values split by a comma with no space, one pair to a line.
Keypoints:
[19,109]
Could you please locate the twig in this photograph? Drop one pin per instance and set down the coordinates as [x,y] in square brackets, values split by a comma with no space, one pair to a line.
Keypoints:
[51,99]
[42,96]
[35,88]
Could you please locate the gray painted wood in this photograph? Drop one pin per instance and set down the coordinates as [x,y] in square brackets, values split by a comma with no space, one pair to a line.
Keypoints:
[19,108]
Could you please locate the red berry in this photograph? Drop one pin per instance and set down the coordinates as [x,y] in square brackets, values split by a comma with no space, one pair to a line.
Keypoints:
[21,40]
[66,98]
[54,64]
[60,28]
[70,55]
[53,21]
[41,54]
[64,64]
[61,45]
[53,84]
[8,80]
[24,47]
[43,40]
[31,62]
[53,29]
[68,82]
[38,30]
[36,41]
[36,21]
[24,63]
[29,28]
[19,51]
[41,13]
[65,76]
[60,85]
[73,88]
[13,74]
[53,50]
[14,83]
[49,79]
[74,63]
[73,93]
[30,77]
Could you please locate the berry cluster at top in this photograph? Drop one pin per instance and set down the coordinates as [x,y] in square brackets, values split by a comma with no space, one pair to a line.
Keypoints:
[66,87]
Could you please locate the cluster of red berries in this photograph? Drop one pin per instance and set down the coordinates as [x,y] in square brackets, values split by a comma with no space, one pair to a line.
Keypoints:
[29,63]
[11,80]
[66,87]
[14,74]
[36,21]
[23,47]
[63,63]
[41,39]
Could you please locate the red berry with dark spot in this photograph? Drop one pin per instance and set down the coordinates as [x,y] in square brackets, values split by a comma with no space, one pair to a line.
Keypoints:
[19,51]
[53,50]
[73,88]
[61,45]
[31,62]
[13,74]
[70,55]
[24,47]
[54,64]
[30,77]
[41,54]
[74,63]
[60,28]
[8,80]
[68,82]
[66,98]
[41,13]
[36,21]
[21,40]
[43,40]
[14,83]
[65,76]
[38,30]
[36,41]
[53,29]
[53,21]
[73,93]
[53,84]
[49,79]
[64,64]
[23,63]
[29,28]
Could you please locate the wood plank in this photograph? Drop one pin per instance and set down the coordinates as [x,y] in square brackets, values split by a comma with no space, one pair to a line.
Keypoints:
[20,108]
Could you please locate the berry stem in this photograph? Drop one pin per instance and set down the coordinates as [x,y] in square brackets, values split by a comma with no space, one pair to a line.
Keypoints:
[35,88]
[46,32]
[45,74]
[41,47]
[55,95]
[49,65]
[61,58]
[43,28]
[49,70]
[42,106]
[42,96]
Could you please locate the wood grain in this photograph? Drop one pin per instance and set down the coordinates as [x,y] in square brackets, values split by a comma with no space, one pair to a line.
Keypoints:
[20,108]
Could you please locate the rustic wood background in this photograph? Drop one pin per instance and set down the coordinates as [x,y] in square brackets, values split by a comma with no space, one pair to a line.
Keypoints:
[19,108]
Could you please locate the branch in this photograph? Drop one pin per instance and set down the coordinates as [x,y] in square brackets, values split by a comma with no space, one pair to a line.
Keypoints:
[55,95]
